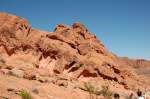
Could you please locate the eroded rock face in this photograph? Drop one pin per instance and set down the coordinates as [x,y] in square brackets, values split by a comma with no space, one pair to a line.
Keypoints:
[69,50]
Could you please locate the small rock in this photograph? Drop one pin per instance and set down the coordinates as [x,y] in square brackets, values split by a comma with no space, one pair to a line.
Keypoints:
[50,80]
[3,97]
[30,77]
[71,85]
[63,83]
[41,79]
[8,67]
[10,89]
[5,71]
[17,72]
[35,90]
[2,61]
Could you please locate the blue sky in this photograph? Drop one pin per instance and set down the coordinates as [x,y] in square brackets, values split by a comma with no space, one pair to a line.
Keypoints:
[122,25]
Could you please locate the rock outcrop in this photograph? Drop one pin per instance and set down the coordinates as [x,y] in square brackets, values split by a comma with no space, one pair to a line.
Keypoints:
[72,51]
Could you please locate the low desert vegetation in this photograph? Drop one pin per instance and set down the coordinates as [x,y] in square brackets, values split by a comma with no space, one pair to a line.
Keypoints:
[94,91]
[106,92]
[90,89]
[25,94]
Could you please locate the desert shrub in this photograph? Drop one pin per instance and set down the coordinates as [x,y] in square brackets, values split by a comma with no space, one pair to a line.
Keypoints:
[106,92]
[25,94]
[94,91]
[90,89]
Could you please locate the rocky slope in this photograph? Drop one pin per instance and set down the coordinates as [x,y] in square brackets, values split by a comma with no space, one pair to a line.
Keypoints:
[54,62]
[140,66]
[135,63]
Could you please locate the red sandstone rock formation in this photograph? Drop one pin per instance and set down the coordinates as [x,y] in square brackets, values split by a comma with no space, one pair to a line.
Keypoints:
[72,51]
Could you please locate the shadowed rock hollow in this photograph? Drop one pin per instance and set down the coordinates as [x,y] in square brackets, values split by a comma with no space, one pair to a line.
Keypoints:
[70,54]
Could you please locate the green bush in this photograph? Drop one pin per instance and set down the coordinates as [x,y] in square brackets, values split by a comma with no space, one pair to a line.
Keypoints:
[90,89]
[106,92]
[95,91]
[25,94]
